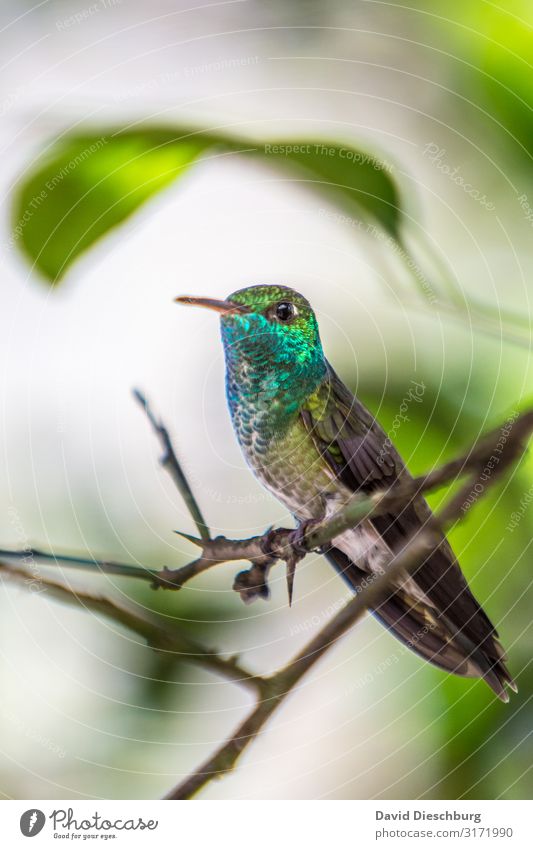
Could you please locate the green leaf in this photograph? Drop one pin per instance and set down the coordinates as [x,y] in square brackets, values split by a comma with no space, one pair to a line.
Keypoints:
[87,185]
[355,180]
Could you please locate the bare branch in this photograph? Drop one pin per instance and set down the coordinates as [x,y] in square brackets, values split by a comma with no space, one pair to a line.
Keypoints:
[160,638]
[263,550]
[277,688]
[498,449]
[170,462]
[108,567]
[278,544]
[413,553]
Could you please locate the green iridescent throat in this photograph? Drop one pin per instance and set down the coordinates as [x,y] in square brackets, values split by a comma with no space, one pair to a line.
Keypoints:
[271,368]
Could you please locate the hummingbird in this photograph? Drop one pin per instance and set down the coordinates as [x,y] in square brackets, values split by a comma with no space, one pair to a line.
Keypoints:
[313,444]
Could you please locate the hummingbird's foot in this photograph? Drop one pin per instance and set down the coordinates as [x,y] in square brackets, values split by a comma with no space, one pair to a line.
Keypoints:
[297,538]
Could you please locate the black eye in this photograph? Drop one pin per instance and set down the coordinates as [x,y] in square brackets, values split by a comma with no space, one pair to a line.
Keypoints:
[285,311]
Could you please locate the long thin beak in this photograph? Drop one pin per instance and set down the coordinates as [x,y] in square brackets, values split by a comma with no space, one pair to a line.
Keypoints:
[223,307]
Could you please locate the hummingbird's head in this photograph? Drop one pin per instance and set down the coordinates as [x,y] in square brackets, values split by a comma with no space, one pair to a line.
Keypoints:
[274,356]
[270,327]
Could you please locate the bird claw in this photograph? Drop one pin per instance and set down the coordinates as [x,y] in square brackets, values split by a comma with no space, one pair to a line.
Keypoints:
[298,551]
[251,584]
[291,569]
[297,538]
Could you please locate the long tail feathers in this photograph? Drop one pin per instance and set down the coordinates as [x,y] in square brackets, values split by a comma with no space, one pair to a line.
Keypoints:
[432,635]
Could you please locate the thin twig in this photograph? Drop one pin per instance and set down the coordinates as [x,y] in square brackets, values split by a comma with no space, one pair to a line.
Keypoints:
[170,462]
[163,639]
[107,567]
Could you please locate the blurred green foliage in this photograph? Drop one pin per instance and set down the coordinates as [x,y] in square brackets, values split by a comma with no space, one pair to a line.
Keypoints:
[494,48]
[88,184]
[474,733]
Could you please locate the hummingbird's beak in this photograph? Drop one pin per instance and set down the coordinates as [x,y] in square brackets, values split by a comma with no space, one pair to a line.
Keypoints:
[223,307]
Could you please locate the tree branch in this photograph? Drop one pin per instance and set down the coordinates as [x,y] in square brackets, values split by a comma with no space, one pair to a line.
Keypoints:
[486,461]
[503,445]
[170,462]
[278,686]
[158,637]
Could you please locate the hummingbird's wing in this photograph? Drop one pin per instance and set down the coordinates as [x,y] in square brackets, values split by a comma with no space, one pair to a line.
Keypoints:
[442,621]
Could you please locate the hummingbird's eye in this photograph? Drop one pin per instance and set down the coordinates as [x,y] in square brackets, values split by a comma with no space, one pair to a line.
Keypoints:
[285,311]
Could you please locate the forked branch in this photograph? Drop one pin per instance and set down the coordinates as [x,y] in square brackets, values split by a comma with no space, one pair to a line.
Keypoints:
[495,452]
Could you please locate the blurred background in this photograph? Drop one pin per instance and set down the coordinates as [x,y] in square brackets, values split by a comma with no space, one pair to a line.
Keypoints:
[442,95]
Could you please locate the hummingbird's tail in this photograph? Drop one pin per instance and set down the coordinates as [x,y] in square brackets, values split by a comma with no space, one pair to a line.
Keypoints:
[431,634]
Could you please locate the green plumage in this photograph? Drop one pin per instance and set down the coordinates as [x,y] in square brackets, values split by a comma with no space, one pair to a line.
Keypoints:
[313,444]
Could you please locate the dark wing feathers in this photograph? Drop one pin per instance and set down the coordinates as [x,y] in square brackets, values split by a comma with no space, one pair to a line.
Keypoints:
[462,638]
[427,635]
[348,437]
[409,622]
[440,577]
